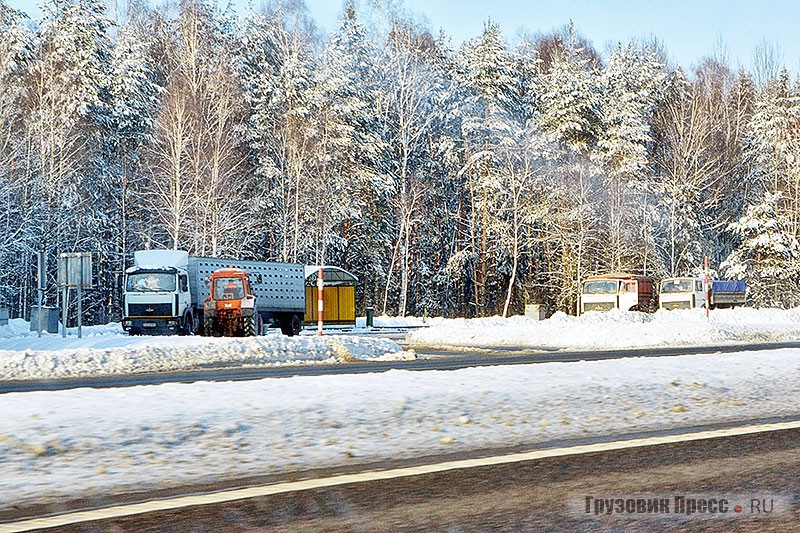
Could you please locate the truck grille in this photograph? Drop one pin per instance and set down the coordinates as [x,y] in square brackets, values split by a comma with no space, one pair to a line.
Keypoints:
[598,306]
[669,306]
[150,309]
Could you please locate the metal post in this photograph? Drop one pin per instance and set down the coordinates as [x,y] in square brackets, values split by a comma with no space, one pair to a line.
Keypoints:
[64,298]
[80,306]
[320,302]
[40,281]
[708,287]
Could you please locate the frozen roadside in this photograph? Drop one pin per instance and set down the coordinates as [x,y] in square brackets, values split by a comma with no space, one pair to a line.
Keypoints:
[80,442]
[614,330]
[106,351]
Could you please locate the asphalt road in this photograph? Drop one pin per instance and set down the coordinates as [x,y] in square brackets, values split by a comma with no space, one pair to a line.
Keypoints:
[543,495]
[428,359]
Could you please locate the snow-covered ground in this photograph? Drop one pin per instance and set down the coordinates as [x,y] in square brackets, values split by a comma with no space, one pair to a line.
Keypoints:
[107,350]
[616,329]
[67,444]
[64,444]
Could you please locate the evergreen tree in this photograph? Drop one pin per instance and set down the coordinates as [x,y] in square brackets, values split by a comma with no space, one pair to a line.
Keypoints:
[767,256]
[488,121]
[68,112]
[629,86]
[570,97]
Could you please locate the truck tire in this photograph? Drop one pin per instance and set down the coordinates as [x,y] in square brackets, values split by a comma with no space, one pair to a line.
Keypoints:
[249,326]
[295,326]
[185,327]
[208,328]
[291,325]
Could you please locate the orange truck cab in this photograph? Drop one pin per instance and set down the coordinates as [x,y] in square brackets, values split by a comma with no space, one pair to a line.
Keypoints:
[230,309]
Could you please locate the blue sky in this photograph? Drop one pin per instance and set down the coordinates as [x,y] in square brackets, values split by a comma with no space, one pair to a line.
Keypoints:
[689,30]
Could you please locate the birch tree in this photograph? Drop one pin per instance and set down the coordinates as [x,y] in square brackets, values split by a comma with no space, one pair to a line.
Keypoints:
[410,80]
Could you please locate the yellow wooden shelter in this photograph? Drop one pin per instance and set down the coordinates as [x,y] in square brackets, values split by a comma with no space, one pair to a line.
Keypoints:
[338,296]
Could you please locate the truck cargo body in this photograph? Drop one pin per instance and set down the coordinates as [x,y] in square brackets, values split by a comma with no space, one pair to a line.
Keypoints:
[690,293]
[165,289]
[628,292]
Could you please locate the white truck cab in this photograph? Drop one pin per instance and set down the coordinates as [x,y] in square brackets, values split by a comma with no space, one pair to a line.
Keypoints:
[628,292]
[682,293]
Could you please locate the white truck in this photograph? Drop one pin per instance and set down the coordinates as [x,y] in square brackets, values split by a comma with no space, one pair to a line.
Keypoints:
[628,292]
[690,293]
[164,291]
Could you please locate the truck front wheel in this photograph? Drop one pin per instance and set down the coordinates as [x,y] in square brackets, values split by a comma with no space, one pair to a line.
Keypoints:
[185,327]
[208,328]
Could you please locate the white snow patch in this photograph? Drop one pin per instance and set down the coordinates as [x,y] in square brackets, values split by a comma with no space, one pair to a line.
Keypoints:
[107,350]
[616,329]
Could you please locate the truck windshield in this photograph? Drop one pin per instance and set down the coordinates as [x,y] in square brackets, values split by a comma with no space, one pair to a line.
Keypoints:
[151,282]
[600,287]
[228,289]
[669,286]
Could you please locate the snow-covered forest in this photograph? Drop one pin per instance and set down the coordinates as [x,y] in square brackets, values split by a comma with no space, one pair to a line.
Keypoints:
[456,181]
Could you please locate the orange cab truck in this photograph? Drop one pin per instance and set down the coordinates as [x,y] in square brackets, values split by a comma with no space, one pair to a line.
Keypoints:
[230,309]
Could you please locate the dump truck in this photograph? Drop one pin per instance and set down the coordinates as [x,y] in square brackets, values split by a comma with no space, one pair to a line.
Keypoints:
[690,293]
[164,291]
[618,290]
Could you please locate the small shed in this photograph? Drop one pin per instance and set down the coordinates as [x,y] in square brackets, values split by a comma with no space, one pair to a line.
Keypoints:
[338,295]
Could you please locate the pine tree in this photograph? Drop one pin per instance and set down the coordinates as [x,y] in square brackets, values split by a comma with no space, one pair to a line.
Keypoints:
[347,189]
[570,97]
[276,69]
[629,86]
[767,256]
[490,117]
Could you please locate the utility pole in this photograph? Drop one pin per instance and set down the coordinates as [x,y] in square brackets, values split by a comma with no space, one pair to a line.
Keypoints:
[708,287]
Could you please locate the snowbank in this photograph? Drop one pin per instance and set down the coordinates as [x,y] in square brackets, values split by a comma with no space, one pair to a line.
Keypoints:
[616,329]
[385,321]
[80,442]
[107,350]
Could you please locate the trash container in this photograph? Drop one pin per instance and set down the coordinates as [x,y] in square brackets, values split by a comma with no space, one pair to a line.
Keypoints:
[370,316]
[4,315]
[50,319]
